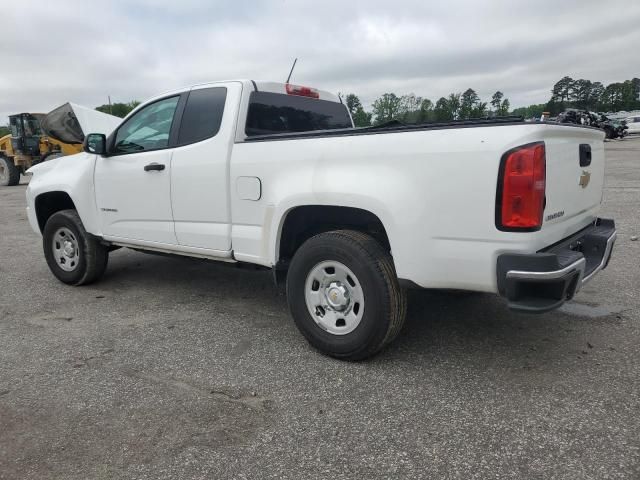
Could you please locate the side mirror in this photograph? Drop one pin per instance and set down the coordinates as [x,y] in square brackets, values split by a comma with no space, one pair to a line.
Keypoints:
[95,143]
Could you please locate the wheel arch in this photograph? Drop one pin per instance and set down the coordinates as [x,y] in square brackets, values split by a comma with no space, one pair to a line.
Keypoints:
[301,222]
[48,203]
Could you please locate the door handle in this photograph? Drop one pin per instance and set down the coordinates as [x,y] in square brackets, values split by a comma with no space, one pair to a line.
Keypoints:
[585,154]
[154,167]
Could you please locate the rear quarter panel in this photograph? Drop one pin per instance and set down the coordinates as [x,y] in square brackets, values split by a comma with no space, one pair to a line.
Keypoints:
[433,190]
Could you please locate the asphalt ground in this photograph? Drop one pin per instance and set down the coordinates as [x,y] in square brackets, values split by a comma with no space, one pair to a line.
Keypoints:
[179,368]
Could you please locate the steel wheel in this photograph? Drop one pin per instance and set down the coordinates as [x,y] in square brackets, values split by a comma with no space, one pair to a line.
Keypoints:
[65,249]
[334,297]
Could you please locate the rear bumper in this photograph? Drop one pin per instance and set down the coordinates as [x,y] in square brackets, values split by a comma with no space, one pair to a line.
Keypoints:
[543,281]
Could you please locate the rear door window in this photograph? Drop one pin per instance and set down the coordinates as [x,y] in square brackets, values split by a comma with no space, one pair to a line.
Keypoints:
[202,115]
[271,113]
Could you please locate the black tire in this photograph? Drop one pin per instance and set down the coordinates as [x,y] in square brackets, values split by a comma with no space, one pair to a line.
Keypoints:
[608,133]
[92,256]
[385,302]
[9,173]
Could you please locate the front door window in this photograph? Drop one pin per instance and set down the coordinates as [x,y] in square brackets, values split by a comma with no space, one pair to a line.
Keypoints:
[148,129]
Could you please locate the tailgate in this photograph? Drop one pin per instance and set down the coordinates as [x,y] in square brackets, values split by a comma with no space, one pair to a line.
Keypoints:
[574,177]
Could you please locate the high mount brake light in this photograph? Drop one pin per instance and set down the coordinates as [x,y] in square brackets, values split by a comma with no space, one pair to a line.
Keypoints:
[521,189]
[302,91]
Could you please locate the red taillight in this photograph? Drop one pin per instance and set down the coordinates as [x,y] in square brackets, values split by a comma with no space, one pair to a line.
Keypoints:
[302,91]
[521,191]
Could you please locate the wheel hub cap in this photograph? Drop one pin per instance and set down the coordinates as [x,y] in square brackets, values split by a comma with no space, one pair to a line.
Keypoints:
[65,249]
[337,296]
[334,297]
[69,250]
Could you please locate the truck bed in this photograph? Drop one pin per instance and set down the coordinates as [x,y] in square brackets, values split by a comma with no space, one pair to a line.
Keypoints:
[397,127]
[433,186]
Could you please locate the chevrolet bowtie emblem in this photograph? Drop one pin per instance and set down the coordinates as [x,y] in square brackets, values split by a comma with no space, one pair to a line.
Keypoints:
[584,179]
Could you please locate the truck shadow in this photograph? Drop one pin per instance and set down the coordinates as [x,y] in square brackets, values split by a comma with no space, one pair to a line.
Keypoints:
[480,328]
[440,324]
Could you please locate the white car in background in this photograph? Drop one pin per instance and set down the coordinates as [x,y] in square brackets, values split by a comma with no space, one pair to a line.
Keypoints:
[633,124]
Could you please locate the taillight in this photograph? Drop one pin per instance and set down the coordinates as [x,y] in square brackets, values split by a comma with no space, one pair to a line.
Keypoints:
[302,91]
[521,189]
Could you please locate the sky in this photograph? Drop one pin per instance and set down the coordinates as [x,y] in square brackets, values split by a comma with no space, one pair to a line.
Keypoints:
[83,51]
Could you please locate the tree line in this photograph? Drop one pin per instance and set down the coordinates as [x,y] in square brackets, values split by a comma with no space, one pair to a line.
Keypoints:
[414,109]
[566,93]
[588,95]
[118,109]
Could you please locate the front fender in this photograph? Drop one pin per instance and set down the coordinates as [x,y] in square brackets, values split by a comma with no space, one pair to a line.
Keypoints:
[72,175]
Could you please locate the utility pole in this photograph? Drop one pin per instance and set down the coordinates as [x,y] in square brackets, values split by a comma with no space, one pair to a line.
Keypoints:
[110,110]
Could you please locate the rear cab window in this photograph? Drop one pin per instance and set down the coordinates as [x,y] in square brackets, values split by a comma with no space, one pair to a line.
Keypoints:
[273,113]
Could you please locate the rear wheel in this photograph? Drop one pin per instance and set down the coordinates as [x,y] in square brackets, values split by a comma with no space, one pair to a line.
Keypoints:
[74,256]
[344,295]
[9,173]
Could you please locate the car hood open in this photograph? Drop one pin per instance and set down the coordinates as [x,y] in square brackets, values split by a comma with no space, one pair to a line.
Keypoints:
[70,122]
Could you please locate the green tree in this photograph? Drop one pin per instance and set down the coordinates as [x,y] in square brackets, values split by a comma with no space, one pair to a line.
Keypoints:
[504,108]
[4,130]
[532,111]
[635,86]
[118,109]
[581,93]
[496,101]
[561,91]
[612,98]
[453,103]
[629,95]
[479,110]
[597,90]
[360,117]
[410,106]
[560,95]
[386,108]
[426,111]
[468,103]
[441,111]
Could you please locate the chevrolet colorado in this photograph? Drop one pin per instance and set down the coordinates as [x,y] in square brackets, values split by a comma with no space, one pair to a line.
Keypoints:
[347,218]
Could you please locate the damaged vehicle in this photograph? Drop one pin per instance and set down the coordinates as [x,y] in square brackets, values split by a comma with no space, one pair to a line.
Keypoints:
[37,137]
[612,128]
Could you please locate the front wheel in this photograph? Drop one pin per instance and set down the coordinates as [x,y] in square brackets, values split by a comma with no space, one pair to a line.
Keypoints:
[344,295]
[74,256]
[9,173]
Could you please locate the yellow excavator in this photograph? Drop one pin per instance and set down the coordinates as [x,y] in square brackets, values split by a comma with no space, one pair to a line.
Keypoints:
[37,137]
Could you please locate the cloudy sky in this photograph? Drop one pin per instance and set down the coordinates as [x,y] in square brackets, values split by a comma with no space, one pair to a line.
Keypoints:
[82,51]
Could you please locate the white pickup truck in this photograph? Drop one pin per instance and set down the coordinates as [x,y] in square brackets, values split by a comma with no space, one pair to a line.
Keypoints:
[275,175]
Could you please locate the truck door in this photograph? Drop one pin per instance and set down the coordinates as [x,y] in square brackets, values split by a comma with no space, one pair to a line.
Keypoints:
[133,183]
[200,167]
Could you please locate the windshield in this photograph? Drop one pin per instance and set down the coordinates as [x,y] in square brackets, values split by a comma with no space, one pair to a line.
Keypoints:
[32,127]
[25,125]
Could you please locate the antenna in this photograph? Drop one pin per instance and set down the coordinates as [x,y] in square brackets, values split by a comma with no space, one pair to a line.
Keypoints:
[292,67]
